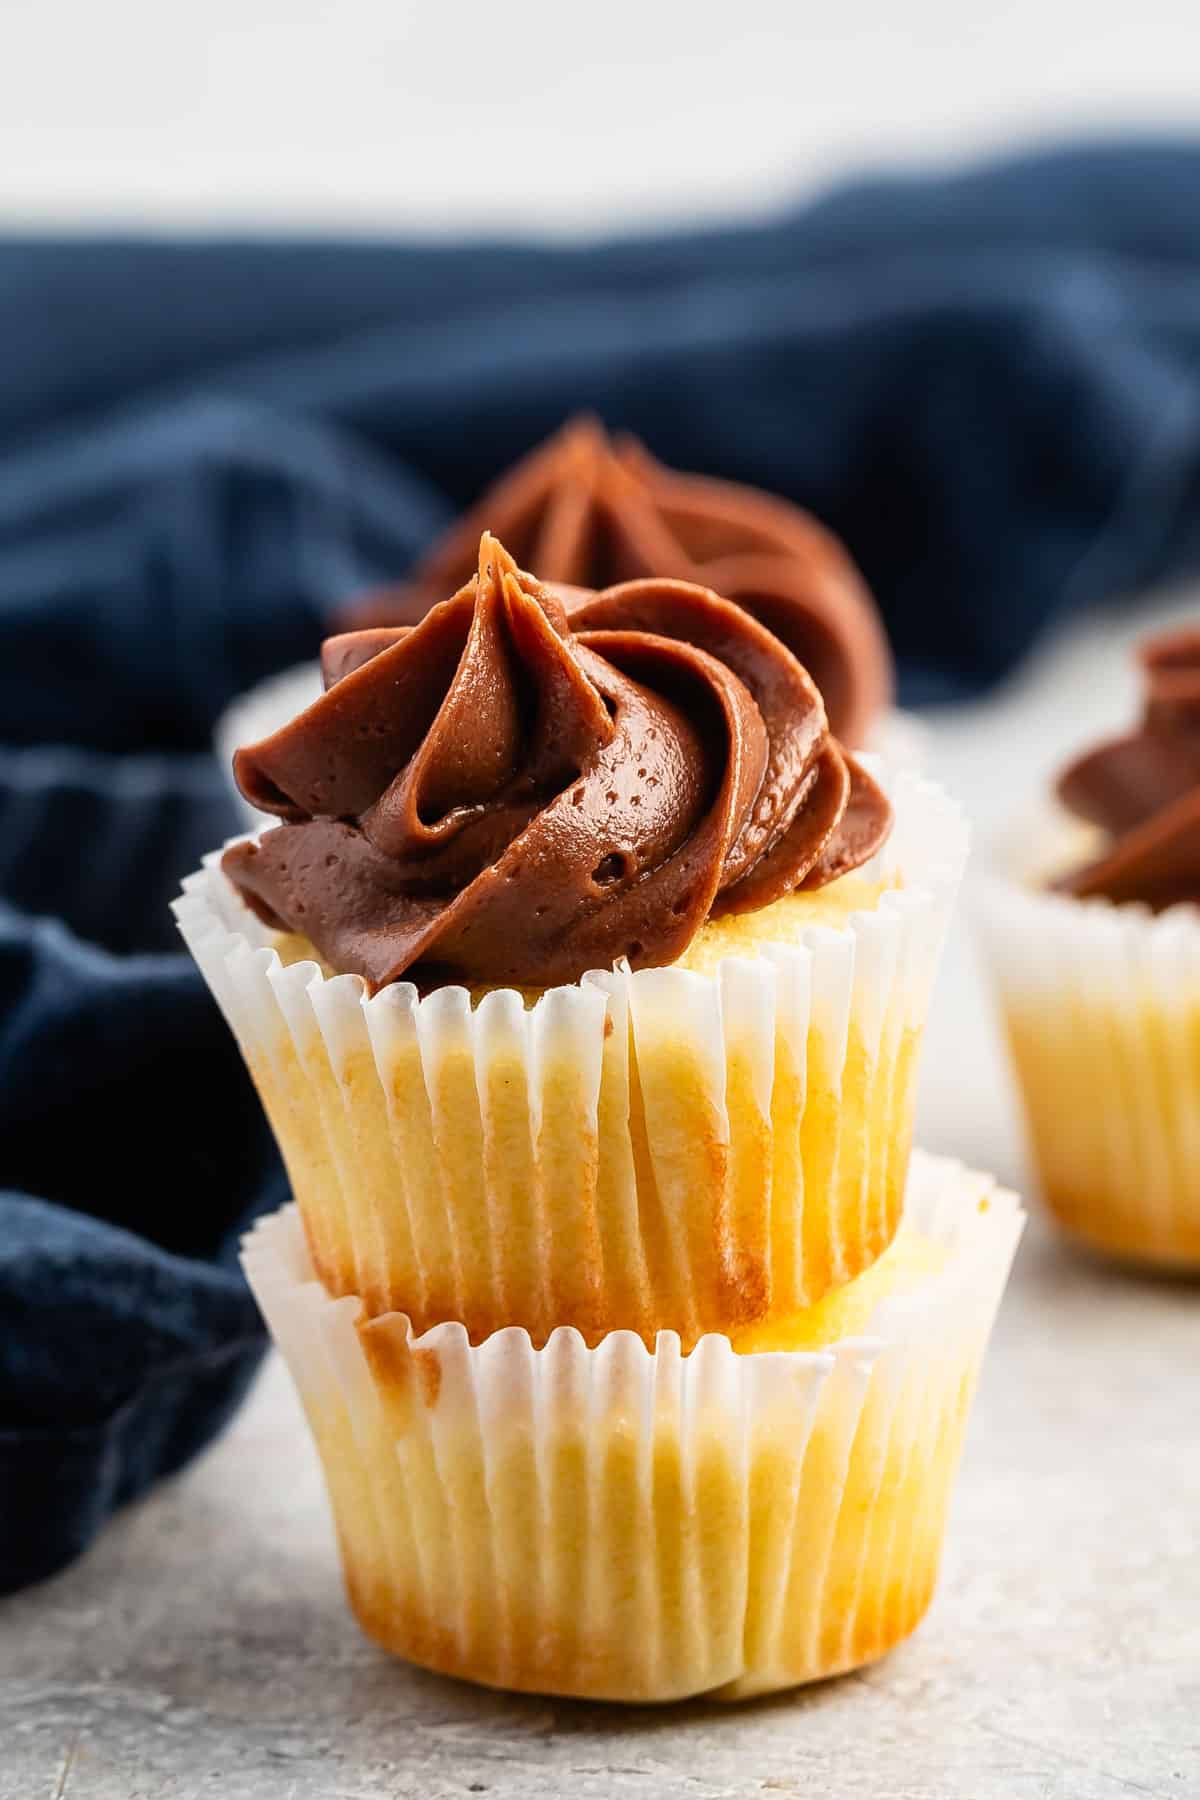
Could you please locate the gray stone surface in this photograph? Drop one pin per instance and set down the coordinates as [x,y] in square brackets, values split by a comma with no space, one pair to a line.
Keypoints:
[203,1647]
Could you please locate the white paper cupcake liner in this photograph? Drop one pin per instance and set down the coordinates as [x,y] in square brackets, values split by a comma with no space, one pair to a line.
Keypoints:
[635,1524]
[660,1149]
[1102,1010]
[257,713]
[899,740]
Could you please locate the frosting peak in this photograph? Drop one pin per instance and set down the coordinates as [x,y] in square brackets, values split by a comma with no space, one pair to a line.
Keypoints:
[533,782]
[1143,789]
[587,510]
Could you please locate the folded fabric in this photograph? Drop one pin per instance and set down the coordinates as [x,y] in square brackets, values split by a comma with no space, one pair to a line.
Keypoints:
[988,383]
[132,1155]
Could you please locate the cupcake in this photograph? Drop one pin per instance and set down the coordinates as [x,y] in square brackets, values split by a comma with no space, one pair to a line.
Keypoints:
[1094,943]
[630,1522]
[584,974]
[585,510]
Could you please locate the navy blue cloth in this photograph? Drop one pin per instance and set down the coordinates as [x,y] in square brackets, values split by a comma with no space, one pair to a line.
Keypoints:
[988,383]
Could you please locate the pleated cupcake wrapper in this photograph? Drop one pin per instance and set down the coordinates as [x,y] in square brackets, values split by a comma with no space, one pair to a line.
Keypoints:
[626,1523]
[899,739]
[257,713]
[650,1150]
[1102,1010]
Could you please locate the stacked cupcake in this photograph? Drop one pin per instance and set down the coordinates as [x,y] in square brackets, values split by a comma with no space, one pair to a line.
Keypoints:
[583,981]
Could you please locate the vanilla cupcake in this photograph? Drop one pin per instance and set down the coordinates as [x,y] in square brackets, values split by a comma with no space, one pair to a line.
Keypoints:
[1092,931]
[631,1523]
[585,509]
[584,978]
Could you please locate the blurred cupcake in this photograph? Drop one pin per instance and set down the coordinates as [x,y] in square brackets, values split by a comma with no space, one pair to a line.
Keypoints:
[1093,936]
[584,978]
[635,1524]
[586,510]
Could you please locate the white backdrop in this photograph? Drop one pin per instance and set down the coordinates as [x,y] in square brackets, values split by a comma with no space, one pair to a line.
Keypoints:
[371,114]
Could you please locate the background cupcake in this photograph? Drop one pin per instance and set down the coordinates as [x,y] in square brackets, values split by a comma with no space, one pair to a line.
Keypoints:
[587,510]
[666,953]
[1094,943]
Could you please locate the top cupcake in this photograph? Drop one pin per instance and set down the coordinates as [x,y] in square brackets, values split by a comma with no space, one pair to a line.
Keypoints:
[539,780]
[586,511]
[1141,791]
[622,1067]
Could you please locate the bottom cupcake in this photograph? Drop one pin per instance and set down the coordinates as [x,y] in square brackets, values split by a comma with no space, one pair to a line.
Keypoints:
[625,1524]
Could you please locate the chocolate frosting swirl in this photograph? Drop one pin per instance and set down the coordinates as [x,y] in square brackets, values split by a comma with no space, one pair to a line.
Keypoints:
[1143,789]
[587,511]
[534,782]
